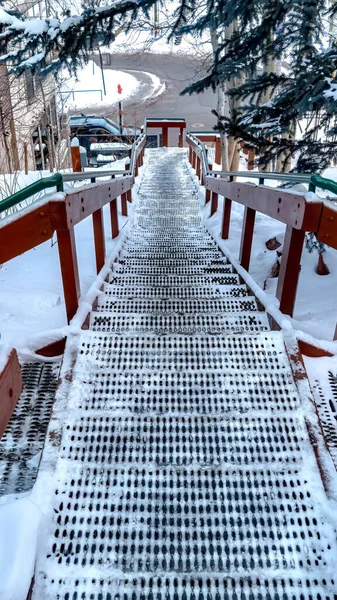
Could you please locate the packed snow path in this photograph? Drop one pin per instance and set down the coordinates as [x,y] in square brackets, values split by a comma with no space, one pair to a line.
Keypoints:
[184,471]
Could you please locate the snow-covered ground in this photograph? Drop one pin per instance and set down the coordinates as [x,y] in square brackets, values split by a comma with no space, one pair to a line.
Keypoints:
[34,280]
[315,310]
[96,88]
[88,88]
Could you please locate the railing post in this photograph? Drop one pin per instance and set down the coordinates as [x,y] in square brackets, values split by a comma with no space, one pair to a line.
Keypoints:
[214,203]
[227,208]
[10,389]
[99,238]
[290,269]
[165,136]
[124,204]
[208,192]
[129,195]
[247,237]
[69,270]
[194,160]
[76,159]
[218,150]
[181,138]
[251,158]
[190,157]
[198,167]
[202,169]
[114,218]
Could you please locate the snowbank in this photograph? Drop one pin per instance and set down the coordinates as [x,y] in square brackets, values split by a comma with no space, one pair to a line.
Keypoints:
[88,89]
[315,309]
[31,293]
[19,524]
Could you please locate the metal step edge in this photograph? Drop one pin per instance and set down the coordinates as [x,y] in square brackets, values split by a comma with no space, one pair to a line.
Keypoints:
[179,262]
[220,291]
[164,281]
[201,323]
[178,307]
[125,270]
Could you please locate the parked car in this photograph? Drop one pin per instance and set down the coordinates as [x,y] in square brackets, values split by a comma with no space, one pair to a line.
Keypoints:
[93,132]
[99,130]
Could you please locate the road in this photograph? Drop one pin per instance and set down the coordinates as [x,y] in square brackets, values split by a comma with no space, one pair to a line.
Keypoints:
[177,72]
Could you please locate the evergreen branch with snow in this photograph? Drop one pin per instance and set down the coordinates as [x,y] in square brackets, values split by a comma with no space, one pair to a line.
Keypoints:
[50,43]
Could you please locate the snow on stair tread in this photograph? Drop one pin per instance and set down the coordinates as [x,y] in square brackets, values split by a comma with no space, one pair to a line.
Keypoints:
[182,440]
[166,280]
[126,269]
[231,289]
[205,392]
[179,306]
[131,323]
[175,352]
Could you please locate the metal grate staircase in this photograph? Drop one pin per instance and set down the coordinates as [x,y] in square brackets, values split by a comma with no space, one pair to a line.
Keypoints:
[184,467]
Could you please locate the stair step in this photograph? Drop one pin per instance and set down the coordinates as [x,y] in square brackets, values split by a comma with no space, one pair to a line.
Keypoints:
[232,288]
[174,254]
[179,306]
[103,351]
[169,245]
[182,440]
[125,269]
[171,262]
[164,281]
[185,324]
[207,392]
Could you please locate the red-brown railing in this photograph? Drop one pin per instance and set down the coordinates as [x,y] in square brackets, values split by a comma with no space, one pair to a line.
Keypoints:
[165,125]
[299,214]
[10,388]
[38,223]
[34,226]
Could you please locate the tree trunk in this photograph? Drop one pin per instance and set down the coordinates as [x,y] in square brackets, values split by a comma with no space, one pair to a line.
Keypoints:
[223,109]
[224,104]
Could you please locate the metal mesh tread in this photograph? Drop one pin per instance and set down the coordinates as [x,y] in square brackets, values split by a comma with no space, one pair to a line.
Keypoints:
[325,395]
[141,269]
[165,280]
[170,262]
[175,253]
[159,324]
[184,465]
[146,352]
[209,521]
[168,306]
[182,440]
[226,392]
[230,290]
[193,586]
[23,439]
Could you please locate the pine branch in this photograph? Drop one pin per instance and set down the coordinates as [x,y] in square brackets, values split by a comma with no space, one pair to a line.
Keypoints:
[26,43]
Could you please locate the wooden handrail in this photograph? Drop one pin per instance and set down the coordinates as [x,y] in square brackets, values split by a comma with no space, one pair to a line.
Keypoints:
[298,213]
[33,226]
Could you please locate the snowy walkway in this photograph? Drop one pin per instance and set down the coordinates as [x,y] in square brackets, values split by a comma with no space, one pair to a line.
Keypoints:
[184,470]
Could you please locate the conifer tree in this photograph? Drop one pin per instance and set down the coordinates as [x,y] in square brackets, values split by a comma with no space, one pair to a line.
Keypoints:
[301,94]
[287,112]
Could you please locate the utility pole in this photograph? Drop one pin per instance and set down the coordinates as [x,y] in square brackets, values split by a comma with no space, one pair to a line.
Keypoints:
[155,20]
[119,91]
